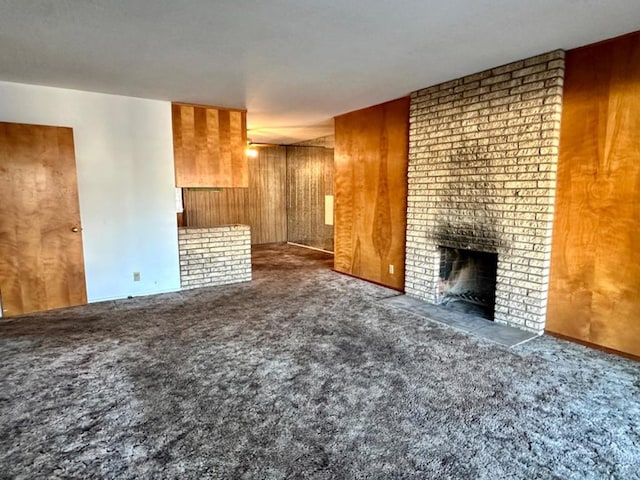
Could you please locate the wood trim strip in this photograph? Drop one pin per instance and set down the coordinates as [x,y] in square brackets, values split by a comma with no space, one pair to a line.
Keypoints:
[595,346]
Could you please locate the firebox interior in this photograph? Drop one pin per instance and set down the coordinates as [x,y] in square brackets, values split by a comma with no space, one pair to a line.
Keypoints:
[468,281]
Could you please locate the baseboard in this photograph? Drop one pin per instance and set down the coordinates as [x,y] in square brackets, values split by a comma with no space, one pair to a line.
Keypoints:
[138,294]
[310,248]
[595,346]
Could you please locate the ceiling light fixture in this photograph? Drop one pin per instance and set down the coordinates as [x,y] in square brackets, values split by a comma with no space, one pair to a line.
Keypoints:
[251,151]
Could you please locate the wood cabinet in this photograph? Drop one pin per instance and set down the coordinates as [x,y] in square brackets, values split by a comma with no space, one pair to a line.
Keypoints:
[209,146]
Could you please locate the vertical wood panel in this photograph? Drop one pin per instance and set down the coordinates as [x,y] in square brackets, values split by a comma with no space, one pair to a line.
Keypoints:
[238,161]
[594,292]
[213,142]
[178,132]
[41,257]
[371,156]
[209,145]
[262,205]
[309,179]
[188,171]
[200,143]
[224,126]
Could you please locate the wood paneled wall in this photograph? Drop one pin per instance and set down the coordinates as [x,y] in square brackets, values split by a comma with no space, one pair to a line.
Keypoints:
[594,292]
[371,156]
[262,205]
[209,146]
[309,179]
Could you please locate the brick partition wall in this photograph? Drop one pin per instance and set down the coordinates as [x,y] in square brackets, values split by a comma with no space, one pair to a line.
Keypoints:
[483,152]
[214,256]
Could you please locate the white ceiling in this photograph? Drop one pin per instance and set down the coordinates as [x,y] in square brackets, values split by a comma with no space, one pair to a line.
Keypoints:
[294,64]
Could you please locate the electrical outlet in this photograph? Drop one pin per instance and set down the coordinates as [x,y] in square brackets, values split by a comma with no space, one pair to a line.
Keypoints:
[391,269]
[136,276]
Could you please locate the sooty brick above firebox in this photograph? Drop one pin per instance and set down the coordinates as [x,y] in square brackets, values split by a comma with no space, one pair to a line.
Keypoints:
[483,152]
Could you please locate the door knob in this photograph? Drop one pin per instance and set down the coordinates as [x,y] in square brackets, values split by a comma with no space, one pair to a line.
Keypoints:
[74,229]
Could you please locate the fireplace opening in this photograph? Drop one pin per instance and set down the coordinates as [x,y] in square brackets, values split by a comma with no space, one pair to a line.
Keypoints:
[468,281]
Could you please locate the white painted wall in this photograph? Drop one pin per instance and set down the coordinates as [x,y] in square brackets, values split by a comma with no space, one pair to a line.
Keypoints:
[124,160]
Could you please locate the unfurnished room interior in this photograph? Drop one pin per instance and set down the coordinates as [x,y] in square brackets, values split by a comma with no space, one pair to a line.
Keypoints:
[322,240]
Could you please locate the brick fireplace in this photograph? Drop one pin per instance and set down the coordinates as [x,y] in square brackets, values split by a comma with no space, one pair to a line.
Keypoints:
[483,152]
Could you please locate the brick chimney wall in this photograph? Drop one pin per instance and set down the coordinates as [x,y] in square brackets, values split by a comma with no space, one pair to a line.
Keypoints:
[483,152]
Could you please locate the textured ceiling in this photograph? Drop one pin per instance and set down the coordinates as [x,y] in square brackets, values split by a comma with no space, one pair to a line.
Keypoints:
[293,64]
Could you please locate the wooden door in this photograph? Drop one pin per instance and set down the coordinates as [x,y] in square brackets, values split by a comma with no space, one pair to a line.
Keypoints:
[594,291]
[41,259]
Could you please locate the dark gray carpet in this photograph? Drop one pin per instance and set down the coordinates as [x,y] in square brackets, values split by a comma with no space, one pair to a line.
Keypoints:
[302,374]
